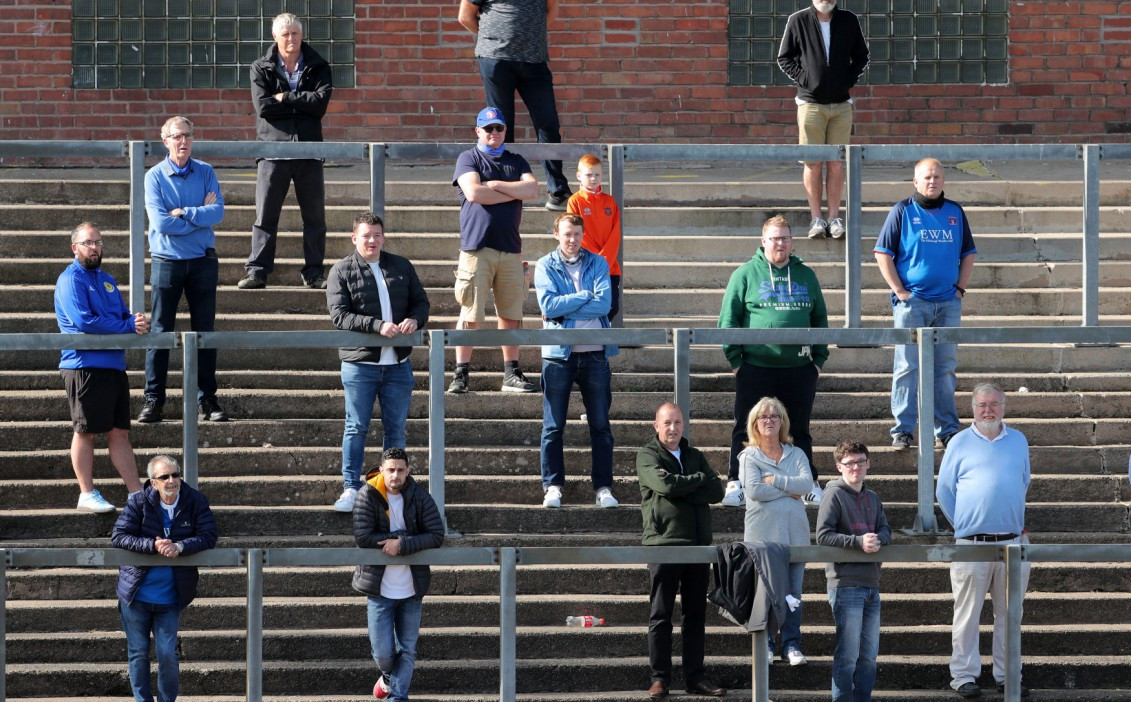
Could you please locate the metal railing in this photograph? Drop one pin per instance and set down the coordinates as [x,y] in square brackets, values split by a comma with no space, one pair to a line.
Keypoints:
[509,558]
[681,341]
[617,155]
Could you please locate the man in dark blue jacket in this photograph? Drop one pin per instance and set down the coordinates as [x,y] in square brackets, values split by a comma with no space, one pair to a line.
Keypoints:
[824,52]
[87,301]
[393,513]
[170,519]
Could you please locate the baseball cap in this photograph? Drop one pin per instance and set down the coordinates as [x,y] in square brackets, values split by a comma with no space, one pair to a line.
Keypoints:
[490,115]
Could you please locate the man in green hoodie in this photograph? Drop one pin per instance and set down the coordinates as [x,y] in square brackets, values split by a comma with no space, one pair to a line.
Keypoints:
[773,290]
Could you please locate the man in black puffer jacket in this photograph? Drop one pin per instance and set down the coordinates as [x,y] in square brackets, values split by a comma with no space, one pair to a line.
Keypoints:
[398,516]
[170,519]
[376,292]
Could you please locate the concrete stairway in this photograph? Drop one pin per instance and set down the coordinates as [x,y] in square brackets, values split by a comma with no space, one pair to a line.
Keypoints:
[272,472]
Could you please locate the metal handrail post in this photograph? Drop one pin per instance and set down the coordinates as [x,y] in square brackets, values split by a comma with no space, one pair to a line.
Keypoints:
[508,618]
[1091,274]
[616,188]
[925,516]
[3,625]
[377,179]
[760,668]
[436,439]
[681,339]
[1014,556]
[190,460]
[137,226]
[255,558]
[853,279]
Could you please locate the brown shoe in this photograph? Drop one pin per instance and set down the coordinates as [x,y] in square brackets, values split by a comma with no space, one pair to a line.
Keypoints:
[658,691]
[706,687]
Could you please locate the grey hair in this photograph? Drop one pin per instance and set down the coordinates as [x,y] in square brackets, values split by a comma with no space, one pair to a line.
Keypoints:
[159,459]
[982,389]
[175,119]
[285,20]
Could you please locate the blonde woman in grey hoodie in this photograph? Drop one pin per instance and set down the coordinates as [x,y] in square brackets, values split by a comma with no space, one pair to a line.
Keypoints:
[775,476]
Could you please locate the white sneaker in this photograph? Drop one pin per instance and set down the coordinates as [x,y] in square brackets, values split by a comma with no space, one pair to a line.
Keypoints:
[733,496]
[553,497]
[795,657]
[605,499]
[815,495]
[94,502]
[345,502]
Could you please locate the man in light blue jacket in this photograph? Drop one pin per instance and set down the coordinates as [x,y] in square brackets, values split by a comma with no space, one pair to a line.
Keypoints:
[574,292]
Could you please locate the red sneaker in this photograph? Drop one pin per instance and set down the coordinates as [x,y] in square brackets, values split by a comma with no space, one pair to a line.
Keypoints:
[381,688]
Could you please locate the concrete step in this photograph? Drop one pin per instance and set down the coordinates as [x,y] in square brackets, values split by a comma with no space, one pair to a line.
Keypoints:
[503,519]
[445,217]
[521,489]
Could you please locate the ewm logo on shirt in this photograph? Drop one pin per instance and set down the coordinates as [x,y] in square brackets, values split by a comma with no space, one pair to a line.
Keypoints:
[936,236]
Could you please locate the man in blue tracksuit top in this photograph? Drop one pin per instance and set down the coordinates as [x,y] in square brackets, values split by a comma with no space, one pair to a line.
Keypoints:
[574,292]
[87,301]
[983,480]
[183,202]
[925,252]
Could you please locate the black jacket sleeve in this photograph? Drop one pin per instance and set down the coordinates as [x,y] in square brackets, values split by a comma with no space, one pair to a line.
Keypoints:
[340,304]
[127,530]
[369,529]
[429,526]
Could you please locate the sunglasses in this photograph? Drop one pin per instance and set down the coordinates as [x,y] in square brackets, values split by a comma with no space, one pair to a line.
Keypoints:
[490,128]
[167,477]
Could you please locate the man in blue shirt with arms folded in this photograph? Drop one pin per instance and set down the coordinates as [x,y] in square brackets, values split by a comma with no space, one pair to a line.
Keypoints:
[926,254]
[982,485]
[183,202]
[87,301]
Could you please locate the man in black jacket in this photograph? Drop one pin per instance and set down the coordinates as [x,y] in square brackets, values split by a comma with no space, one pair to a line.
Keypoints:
[170,519]
[398,516]
[376,292]
[824,52]
[290,88]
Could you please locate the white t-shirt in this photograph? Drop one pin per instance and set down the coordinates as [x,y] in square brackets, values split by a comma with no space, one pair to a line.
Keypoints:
[388,353]
[574,271]
[396,583]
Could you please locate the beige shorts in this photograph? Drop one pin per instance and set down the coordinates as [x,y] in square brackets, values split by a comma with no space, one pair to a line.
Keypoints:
[488,270]
[824,124]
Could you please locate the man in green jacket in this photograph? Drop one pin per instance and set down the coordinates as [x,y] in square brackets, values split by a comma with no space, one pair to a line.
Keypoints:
[676,487]
[773,290]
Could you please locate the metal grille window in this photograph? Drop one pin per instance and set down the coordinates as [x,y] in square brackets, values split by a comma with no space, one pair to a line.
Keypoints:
[911,41]
[197,43]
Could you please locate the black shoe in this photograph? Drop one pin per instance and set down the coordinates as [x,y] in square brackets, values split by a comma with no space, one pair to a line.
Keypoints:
[706,687]
[459,384]
[515,381]
[315,283]
[1024,690]
[151,413]
[969,690]
[556,203]
[210,410]
[252,281]
[944,440]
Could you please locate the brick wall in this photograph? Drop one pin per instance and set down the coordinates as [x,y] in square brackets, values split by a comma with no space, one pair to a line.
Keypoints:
[626,70]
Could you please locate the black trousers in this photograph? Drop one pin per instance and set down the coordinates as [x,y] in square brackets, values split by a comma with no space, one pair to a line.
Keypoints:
[795,387]
[690,581]
[271,185]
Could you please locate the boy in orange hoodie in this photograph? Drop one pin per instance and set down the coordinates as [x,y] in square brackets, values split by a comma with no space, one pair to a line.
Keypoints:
[601,215]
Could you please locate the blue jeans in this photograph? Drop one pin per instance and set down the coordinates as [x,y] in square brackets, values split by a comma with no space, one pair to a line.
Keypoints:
[535,84]
[196,279]
[364,384]
[791,627]
[394,626]
[912,314]
[591,373]
[138,619]
[856,612]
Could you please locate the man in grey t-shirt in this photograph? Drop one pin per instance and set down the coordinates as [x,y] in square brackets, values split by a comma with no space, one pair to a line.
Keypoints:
[510,45]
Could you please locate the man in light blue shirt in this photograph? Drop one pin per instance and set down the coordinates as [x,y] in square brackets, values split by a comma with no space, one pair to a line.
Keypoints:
[981,489]
[183,202]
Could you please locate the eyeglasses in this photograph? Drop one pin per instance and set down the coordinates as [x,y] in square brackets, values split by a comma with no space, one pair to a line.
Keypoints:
[184,136]
[854,464]
[988,405]
[779,239]
[167,477]
[491,128]
[770,418]
[92,243]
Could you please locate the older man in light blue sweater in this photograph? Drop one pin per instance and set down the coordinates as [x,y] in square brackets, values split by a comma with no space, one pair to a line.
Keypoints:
[981,489]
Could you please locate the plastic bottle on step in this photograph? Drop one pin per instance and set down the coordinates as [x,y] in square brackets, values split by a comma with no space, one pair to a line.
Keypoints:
[585,620]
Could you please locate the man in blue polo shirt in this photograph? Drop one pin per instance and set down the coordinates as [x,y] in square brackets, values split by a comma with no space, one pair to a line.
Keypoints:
[183,202]
[926,254]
